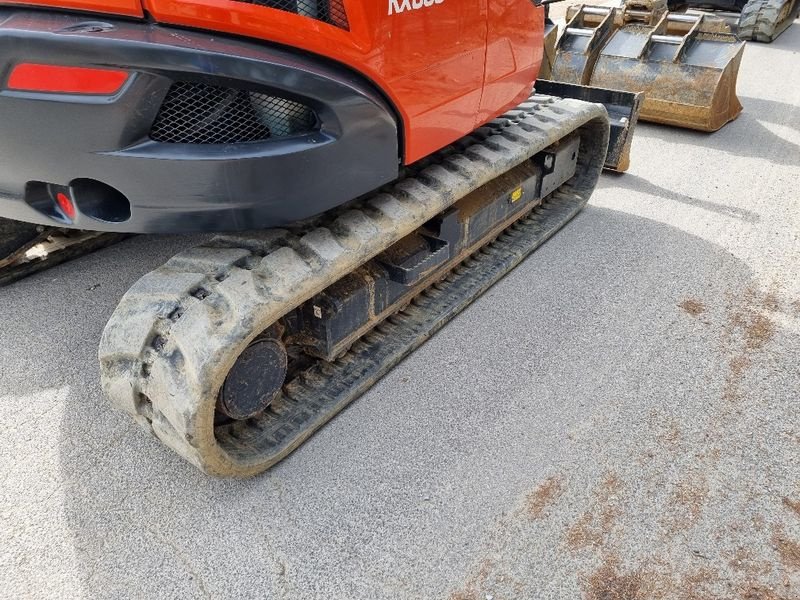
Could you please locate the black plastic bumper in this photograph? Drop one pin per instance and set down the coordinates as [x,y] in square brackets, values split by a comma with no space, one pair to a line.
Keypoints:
[68,140]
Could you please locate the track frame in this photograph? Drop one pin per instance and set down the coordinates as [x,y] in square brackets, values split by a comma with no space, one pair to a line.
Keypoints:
[177,332]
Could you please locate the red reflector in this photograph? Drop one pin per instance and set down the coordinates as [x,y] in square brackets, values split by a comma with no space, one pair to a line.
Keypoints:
[65,80]
[66,205]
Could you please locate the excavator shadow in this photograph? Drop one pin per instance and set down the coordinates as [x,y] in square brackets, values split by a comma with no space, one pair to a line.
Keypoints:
[747,136]
[639,184]
[773,111]
[540,347]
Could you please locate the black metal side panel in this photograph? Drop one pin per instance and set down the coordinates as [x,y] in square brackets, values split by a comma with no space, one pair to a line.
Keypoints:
[726,5]
[329,324]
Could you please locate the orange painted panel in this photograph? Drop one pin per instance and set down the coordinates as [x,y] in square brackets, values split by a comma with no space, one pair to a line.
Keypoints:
[513,55]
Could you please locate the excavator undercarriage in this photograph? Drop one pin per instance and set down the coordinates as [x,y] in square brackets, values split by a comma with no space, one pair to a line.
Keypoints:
[296,323]
[757,20]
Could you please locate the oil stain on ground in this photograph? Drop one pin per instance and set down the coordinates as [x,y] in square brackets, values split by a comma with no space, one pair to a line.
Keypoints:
[693,307]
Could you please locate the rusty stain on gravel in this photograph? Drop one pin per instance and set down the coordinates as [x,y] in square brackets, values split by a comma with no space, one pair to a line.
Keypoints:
[759,522]
[754,591]
[743,561]
[608,583]
[534,507]
[543,496]
[594,526]
[760,330]
[788,550]
[736,571]
[793,505]
[771,302]
[750,330]
[694,585]
[471,589]
[688,498]
[693,307]
[584,533]
[736,368]
[671,435]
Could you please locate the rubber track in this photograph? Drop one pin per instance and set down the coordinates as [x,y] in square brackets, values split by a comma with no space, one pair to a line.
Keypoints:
[176,333]
[759,19]
[326,388]
[16,271]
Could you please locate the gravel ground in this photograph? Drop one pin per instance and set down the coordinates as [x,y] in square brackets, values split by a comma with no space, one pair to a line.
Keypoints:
[617,419]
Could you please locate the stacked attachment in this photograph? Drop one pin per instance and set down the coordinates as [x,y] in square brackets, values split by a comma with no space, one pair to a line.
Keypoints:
[622,107]
[685,64]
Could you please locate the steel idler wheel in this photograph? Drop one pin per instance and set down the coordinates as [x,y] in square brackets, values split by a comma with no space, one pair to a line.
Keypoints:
[255,379]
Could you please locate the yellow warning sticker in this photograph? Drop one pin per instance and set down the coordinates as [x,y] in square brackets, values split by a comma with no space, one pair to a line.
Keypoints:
[516,194]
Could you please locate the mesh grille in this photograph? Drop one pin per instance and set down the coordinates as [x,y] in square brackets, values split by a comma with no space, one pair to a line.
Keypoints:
[196,113]
[329,11]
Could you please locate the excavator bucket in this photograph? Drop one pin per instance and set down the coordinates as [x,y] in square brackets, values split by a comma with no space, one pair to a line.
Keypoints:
[623,113]
[686,65]
[588,31]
